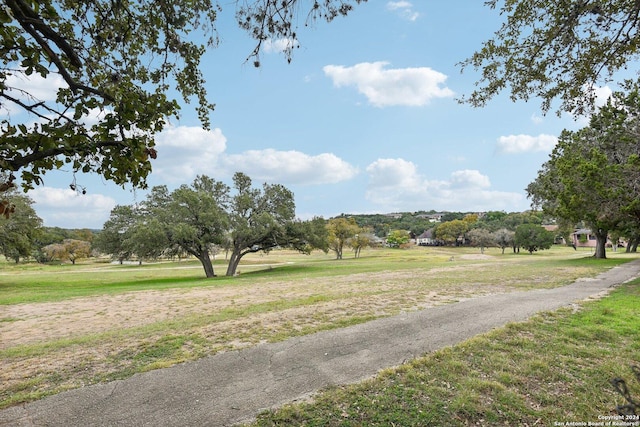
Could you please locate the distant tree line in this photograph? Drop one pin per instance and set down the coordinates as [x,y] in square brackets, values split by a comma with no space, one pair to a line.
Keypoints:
[489,229]
[413,222]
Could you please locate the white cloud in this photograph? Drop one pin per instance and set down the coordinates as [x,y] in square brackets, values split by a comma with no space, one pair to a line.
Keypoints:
[526,143]
[69,209]
[393,5]
[396,185]
[393,173]
[279,45]
[390,87]
[291,167]
[404,9]
[601,94]
[40,88]
[469,179]
[184,152]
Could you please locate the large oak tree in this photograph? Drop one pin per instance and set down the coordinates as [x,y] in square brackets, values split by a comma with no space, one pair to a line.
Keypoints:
[592,174]
[264,219]
[192,218]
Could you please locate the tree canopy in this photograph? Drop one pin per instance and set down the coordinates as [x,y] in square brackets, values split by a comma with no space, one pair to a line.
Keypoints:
[113,239]
[556,49]
[117,66]
[69,249]
[340,232]
[264,219]
[192,219]
[533,237]
[592,173]
[452,232]
[398,238]
[482,238]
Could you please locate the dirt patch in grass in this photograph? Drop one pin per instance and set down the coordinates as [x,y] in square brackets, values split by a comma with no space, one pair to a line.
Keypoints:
[35,322]
[476,256]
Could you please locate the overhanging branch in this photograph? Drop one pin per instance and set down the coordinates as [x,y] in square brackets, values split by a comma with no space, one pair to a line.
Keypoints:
[19,162]
[41,32]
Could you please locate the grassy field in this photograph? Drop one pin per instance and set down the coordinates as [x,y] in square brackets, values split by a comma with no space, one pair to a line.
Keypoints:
[67,326]
[553,370]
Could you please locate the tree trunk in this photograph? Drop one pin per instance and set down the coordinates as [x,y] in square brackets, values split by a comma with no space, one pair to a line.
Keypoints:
[233,263]
[205,259]
[601,243]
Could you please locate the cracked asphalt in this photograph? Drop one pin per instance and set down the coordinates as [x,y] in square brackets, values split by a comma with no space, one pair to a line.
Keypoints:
[233,387]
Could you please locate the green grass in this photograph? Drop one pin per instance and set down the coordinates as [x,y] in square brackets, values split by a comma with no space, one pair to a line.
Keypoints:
[380,283]
[553,368]
[24,283]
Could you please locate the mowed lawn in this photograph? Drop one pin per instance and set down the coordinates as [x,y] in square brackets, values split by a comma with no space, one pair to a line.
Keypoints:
[66,326]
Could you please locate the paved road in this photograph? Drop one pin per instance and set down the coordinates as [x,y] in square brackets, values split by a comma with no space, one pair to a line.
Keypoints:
[233,387]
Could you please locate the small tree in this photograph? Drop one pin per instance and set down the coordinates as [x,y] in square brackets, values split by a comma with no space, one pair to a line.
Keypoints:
[397,238]
[69,249]
[533,237]
[504,238]
[481,238]
[359,241]
[451,231]
[340,231]
[76,249]
[111,240]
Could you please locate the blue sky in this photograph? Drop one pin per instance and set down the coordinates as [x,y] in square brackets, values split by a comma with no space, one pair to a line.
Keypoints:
[363,120]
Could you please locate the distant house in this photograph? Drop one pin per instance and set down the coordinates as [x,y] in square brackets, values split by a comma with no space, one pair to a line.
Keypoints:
[436,217]
[582,238]
[426,239]
[377,242]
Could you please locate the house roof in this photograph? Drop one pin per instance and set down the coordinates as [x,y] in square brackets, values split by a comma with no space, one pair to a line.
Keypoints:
[582,231]
[427,234]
